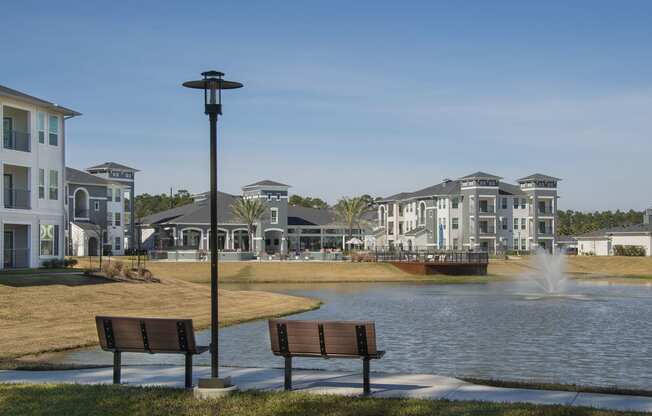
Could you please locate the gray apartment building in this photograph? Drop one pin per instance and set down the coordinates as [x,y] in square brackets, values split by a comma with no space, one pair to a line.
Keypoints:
[99,209]
[477,212]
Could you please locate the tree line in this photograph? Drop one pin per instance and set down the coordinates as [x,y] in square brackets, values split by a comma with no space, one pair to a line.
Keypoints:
[571,222]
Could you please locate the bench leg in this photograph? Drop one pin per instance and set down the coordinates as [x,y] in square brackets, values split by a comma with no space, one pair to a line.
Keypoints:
[366,386]
[288,373]
[117,363]
[188,371]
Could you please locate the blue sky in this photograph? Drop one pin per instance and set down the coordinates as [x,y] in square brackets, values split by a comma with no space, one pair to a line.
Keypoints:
[343,98]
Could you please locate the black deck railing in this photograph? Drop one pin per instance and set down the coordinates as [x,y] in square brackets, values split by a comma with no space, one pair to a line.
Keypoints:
[425,256]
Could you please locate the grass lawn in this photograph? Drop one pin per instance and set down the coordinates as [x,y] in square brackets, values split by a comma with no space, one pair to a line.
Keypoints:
[41,313]
[72,400]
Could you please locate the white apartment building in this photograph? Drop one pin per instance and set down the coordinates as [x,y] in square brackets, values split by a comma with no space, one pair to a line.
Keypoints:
[605,242]
[32,161]
[477,212]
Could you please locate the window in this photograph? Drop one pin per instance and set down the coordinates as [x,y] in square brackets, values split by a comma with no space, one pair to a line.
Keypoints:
[455,223]
[109,194]
[522,223]
[41,184]
[523,202]
[523,244]
[117,219]
[456,202]
[390,227]
[515,244]
[515,203]
[54,185]
[516,224]
[105,238]
[49,240]
[117,195]
[504,223]
[96,205]
[456,243]
[274,216]
[54,130]
[40,126]
[116,244]
[504,203]
[109,219]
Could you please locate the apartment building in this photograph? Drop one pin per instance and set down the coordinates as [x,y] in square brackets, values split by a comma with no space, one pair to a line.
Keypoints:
[99,209]
[32,161]
[477,212]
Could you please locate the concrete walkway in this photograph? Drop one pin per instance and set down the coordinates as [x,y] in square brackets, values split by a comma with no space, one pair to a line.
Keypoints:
[423,386]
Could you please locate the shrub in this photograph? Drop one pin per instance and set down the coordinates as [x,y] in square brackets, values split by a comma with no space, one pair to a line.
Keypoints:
[53,264]
[632,251]
[70,262]
[119,266]
[110,270]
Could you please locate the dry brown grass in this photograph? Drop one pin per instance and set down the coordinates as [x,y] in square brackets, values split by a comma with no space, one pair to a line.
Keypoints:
[50,317]
[592,267]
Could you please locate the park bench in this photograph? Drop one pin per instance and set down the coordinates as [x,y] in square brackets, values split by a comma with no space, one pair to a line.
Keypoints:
[147,335]
[324,339]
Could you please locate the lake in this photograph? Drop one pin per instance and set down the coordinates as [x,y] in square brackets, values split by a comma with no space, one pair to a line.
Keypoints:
[475,330]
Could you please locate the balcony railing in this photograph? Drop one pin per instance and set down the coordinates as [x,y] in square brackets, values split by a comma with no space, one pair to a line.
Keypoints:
[17,198]
[487,231]
[16,140]
[81,213]
[16,258]
[487,209]
[541,212]
[544,231]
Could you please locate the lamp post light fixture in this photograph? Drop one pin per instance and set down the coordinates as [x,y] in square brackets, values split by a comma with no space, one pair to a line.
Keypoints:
[213,84]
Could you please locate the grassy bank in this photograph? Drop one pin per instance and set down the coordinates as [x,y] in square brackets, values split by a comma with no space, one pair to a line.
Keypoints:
[72,400]
[615,269]
[42,314]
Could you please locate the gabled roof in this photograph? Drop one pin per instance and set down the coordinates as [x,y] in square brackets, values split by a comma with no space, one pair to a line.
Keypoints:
[196,212]
[310,216]
[481,175]
[265,182]
[509,189]
[113,165]
[538,177]
[81,177]
[9,92]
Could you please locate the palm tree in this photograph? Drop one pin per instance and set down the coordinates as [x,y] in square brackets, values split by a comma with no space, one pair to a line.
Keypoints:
[350,211]
[249,211]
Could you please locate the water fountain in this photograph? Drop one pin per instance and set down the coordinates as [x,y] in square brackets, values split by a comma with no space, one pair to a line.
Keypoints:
[549,274]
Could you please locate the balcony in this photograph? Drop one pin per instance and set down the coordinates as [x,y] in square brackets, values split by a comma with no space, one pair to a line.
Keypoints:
[545,231]
[487,230]
[542,212]
[489,209]
[16,140]
[16,252]
[17,198]
[81,214]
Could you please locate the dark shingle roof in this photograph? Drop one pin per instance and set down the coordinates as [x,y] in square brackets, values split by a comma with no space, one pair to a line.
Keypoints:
[9,92]
[81,177]
[480,175]
[265,182]
[113,165]
[509,189]
[310,216]
[538,176]
[196,212]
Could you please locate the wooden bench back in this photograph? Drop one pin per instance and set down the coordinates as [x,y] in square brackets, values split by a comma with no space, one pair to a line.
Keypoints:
[323,338]
[154,335]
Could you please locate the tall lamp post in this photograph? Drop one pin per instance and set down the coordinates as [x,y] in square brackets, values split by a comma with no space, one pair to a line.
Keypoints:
[213,84]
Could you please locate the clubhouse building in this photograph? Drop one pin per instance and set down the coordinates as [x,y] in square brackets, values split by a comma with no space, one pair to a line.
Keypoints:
[284,229]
